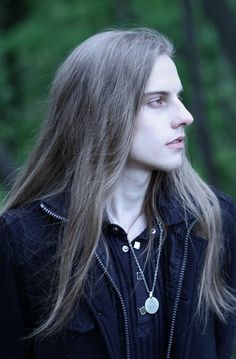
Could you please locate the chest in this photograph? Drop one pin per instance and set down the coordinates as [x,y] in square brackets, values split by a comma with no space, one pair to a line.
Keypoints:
[180,267]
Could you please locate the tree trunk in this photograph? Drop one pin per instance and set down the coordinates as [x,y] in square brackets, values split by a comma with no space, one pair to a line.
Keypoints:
[198,106]
[12,11]
[219,12]
[7,166]
[124,12]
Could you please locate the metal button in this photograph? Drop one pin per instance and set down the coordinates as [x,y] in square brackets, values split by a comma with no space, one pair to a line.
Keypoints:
[115,229]
[153,230]
[125,249]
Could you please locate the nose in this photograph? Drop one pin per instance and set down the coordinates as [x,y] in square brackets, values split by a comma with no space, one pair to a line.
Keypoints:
[182,116]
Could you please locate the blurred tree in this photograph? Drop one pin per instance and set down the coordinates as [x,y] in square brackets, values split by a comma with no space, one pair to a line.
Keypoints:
[220,13]
[198,103]
[12,12]
[35,36]
[124,12]
[7,166]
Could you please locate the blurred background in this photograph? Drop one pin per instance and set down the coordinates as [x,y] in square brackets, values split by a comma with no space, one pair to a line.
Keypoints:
[35,36]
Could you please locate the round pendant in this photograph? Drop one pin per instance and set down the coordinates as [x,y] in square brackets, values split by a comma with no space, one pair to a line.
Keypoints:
[151,305]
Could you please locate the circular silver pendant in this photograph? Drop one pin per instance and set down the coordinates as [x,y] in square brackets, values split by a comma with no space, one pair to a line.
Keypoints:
[151,305]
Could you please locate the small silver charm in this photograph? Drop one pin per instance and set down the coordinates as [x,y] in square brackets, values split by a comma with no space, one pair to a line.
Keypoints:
[142,310]
[151,305]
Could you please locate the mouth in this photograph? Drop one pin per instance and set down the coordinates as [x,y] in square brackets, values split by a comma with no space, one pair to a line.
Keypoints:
[177,142]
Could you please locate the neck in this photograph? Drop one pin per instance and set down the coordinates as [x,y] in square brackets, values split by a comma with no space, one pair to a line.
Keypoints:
[126,204]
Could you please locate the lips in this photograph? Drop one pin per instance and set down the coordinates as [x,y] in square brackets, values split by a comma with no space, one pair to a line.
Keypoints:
[179,139]
[176,144]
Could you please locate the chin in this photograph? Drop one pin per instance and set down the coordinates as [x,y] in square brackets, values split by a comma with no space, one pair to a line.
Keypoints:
[168,166]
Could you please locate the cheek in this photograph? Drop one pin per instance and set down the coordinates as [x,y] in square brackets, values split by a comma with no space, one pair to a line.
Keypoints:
[150,133]
[147,140]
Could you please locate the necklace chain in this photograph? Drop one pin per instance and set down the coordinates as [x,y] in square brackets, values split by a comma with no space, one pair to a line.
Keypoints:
[150,292]
[151,304]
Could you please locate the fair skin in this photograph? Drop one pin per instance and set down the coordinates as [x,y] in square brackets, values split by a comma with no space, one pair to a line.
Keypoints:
[158,144]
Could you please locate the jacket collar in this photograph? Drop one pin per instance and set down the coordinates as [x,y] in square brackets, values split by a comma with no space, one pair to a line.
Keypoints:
[170,209]
[173,212]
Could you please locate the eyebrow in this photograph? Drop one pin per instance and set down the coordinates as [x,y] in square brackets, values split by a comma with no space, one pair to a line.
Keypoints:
[162,93]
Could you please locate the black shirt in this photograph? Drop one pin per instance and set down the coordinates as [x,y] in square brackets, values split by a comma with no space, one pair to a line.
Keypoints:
[146,331]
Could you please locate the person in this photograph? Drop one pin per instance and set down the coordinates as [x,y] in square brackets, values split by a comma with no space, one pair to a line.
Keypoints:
[112,246]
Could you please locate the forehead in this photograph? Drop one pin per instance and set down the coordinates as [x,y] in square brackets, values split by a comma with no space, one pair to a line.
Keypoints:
[164,76]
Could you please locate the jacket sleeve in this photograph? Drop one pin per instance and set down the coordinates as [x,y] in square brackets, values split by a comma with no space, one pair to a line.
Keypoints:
[225,333]
[13,321]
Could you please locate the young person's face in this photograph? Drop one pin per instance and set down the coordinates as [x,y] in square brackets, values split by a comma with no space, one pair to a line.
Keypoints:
[158,142]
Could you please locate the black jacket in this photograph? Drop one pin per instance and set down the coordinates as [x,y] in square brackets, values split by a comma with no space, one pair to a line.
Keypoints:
[28,238]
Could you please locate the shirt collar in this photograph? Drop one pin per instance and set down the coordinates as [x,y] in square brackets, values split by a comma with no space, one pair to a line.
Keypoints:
[171,211]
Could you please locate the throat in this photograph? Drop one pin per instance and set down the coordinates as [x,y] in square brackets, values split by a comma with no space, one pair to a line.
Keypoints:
[137,227]
[133,226]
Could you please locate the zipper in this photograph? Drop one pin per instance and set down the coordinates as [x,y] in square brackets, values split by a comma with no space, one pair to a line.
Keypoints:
[181,278]
[52,214]
[109,277]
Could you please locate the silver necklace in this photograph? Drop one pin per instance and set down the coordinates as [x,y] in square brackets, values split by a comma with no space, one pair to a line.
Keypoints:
[151,304]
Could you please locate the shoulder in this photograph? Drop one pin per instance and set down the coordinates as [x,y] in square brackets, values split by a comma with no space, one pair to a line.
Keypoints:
[225,200]
[28,243]
[228,213]
[228,207]
[26,231]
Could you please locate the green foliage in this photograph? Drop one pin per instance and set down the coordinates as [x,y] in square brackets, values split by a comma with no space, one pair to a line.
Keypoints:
[50,29]
[39,44]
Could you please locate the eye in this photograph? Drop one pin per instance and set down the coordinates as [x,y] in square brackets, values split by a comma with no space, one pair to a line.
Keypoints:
[157,102]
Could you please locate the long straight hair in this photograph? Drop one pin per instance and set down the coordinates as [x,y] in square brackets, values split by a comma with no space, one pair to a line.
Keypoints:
[82,149]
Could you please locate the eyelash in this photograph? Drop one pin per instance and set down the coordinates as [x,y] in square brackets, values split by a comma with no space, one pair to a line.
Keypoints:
[157,102]
[160,100]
